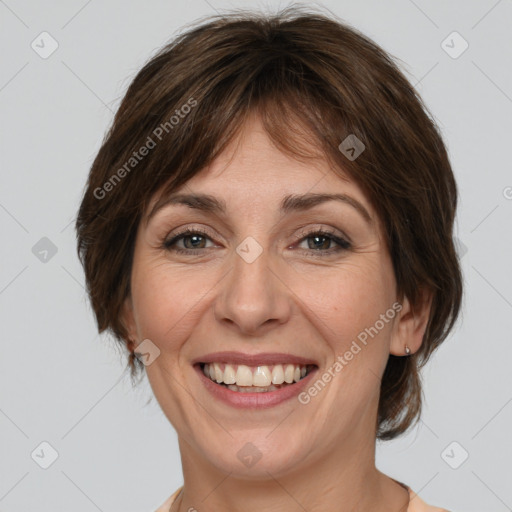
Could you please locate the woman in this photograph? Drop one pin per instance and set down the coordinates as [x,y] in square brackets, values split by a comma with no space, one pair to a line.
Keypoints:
[267,229]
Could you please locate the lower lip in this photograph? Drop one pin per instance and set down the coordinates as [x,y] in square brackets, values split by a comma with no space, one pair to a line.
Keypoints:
[260,400]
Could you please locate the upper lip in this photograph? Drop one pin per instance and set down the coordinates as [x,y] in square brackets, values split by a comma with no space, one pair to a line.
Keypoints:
[264,358]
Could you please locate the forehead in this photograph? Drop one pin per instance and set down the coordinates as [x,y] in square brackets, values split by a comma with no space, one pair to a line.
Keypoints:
[251,169]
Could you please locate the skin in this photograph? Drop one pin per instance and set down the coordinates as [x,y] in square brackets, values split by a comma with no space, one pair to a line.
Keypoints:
[315,456]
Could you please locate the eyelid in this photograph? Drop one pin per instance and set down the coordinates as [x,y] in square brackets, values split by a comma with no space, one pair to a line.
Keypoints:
[341,241]
[178,234]
[305,231]
[189,217]
[192,228]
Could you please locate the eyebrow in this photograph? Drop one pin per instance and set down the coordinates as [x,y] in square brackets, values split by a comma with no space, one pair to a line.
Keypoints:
[293,202]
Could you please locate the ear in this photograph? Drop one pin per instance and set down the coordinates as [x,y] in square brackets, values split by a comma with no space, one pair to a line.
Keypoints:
[128,320]
[410,324]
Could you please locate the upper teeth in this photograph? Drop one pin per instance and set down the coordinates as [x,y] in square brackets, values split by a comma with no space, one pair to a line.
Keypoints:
[261,376]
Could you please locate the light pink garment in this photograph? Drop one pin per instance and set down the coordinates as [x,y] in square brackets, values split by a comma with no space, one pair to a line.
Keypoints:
[416,504]
[166,505]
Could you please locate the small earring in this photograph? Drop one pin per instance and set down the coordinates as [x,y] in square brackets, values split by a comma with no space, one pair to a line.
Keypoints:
[407,351]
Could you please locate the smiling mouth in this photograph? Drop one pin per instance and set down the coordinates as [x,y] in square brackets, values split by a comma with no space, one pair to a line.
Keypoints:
[255,379]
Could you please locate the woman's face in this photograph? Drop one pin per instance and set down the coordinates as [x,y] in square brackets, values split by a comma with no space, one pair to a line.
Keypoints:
[256,278]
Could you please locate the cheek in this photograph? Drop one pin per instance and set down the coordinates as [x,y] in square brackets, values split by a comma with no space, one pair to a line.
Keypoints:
[347,311]
[166,301]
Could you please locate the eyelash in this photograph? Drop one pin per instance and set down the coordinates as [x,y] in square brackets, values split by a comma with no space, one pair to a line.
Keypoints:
[343,244]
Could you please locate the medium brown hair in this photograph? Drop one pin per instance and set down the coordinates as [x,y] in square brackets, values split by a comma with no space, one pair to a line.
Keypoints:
[311,77]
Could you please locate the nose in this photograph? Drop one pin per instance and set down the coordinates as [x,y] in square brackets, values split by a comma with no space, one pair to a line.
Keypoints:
[253,298]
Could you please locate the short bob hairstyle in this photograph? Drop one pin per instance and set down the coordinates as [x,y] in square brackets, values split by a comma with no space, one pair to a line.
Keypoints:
[314,80]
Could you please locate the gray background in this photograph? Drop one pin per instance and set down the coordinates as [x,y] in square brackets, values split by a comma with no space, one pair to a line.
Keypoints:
[62,383]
